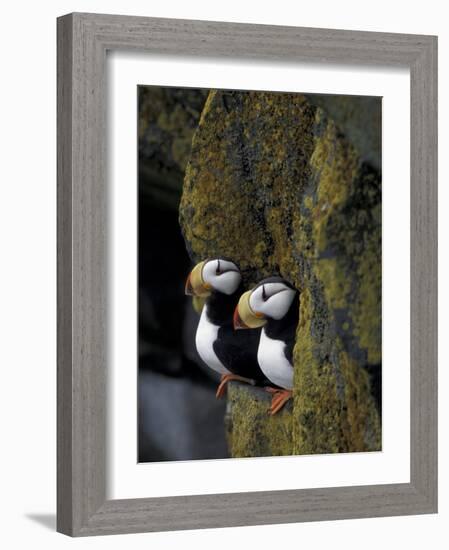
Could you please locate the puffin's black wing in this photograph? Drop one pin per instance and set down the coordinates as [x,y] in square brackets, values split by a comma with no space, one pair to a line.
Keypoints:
[277,330]
[237,350]
[289,345]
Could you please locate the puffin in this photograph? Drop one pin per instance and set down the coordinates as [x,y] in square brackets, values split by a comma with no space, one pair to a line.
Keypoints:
[232,354]
[273,307]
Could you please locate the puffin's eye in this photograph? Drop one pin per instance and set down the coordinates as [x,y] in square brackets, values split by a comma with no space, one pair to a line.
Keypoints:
[264,295]
[217,271]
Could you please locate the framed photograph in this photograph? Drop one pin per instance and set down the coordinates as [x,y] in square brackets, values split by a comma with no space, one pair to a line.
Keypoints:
[247,274]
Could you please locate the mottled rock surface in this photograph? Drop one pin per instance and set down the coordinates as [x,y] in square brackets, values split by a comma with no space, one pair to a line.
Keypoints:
[167,120]
[250,430]
[275,184]
[360,118]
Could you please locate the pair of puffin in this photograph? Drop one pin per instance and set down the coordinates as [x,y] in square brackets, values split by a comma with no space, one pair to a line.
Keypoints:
[261,356]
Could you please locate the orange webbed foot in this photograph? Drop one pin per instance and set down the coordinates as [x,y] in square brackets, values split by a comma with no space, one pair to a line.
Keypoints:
[221,390]
[279,399]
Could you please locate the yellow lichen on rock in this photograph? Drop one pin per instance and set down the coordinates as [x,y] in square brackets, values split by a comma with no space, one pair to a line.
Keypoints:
[251,430]
[317,409]
[341,297]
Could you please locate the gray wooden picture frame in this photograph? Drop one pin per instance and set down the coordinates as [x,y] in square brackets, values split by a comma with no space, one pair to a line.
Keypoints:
[83,40]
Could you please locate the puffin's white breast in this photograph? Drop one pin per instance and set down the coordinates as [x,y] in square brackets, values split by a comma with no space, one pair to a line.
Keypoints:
[273,363]
[206,334]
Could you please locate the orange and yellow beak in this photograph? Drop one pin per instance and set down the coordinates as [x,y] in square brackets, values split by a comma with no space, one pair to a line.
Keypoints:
[195,284]
[238,322]
[244,316]
[189,287]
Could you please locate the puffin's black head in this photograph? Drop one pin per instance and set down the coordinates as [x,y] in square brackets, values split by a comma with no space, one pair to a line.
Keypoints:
[220,275]
[270,299]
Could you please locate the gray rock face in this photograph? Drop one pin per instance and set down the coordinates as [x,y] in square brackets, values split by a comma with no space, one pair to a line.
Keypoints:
[179,419]
[360,118]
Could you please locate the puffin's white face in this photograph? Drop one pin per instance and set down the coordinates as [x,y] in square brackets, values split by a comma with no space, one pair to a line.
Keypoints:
[272,300]
[221,275]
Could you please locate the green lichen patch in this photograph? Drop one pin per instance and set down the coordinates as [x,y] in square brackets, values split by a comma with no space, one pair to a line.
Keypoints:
[251,431]
[317,407]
